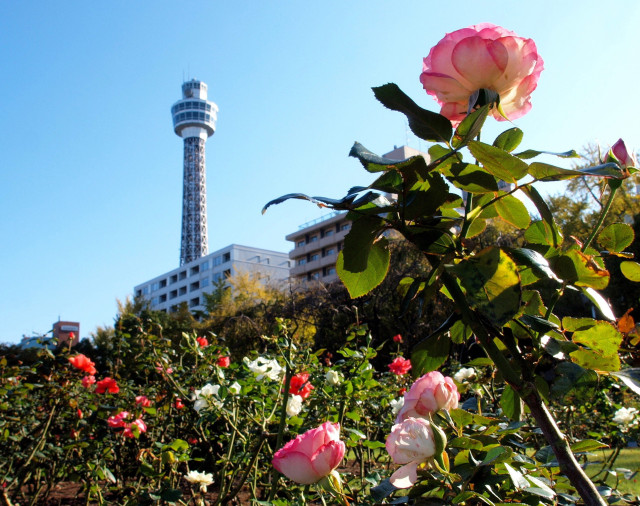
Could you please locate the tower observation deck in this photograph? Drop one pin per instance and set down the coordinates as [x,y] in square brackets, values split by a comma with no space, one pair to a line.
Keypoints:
[194,119]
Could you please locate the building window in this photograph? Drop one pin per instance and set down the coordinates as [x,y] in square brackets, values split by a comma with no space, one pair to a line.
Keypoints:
[163,298]
[329,252]
[328,232]
[194,302]
[155,301]
[302,261]
[227,273]
[138,293]
[173,294]
[183,275]
[313,238]
[194,286]
[194,270]
[300,243]
[345,226]
[204,282]
[330,271]
[204,266]
[173,279]
[182,290]
[226,257]
[313,275]
[314,257]
[216,277]
[145,290]
[217,261]
[163,283]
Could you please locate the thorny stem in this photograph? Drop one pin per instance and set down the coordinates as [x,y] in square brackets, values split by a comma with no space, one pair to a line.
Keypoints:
[529,394]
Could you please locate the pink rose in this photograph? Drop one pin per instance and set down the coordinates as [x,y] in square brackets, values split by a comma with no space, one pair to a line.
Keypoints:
[427,395]
[87,381]
[410,443]
[311,456]
[117,421]
[620,153]
[482,56]
[400,366]
[143,400]
[136,424]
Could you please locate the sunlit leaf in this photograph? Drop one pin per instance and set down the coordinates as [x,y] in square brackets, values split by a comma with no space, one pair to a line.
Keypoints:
[471,178]
[580,269]
[531,153]
[616,237]
[509,139]
[361,283]
[470,127]
[630,377]
[550,228]
[501,164]
[492,284]
[599,301]
[602,342]
[512,210]
[510,403]
[630,270]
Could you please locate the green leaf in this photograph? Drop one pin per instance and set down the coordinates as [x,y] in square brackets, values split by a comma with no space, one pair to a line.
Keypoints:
[471,178]
[534,260]
[460,332]
[630,270]
[476,228]
[361,283]
[509,139]
[537,323]
[630,377]
[492,284]
[358,242]
[470,127]
[580,269]
[433,351]
[426,196]
[549,226]
[531,153]
[599,301]
[570,376]
[512,210]
[501,164]
[518,480]
[466,443]
[374,163]
[587,445]
[601,344]
[425,124]
[171,495]
[616,237]
[510,403]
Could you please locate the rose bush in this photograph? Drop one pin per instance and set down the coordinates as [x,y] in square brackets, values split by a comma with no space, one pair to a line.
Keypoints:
[483,56]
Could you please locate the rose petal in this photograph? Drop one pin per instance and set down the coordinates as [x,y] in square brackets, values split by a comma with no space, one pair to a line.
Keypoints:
[406,476]
[479,61]
[297,467]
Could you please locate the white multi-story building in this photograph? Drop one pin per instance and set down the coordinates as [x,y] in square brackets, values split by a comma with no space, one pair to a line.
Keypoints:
[189,282]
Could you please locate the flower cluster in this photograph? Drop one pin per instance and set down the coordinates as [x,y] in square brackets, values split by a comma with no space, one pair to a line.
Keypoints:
[626,418]
[413,439]
[265,368]
[130,429]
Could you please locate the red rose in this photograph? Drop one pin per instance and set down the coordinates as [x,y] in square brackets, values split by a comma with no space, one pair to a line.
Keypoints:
[300,385]
[400,366]
[107,385]
[83,363]
[397,338]
[223,361]
[202,341]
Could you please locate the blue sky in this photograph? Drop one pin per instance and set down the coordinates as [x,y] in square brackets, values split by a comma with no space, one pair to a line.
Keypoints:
[91,171]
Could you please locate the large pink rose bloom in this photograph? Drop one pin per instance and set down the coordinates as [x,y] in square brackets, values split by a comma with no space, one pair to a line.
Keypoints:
[312,455]
[428,394]
[482,56]
[410,443]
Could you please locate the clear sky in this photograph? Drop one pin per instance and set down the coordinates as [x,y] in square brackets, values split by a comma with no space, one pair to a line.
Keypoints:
[91,171]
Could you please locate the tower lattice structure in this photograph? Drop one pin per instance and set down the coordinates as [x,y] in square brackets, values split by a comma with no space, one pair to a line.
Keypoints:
[194,119]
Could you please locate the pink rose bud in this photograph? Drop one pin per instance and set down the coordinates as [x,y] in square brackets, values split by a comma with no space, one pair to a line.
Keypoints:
[427,395]
[410,443]
[483,56]
[311,456]
[620,153]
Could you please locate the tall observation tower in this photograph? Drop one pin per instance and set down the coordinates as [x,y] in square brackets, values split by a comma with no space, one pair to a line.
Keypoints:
[194,119]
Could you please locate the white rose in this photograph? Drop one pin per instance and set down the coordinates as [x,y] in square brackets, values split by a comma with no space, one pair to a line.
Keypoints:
[265,368]
[333,377]
[396,405]
[626,418]
[464,374]
[235,388]
[294,405]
